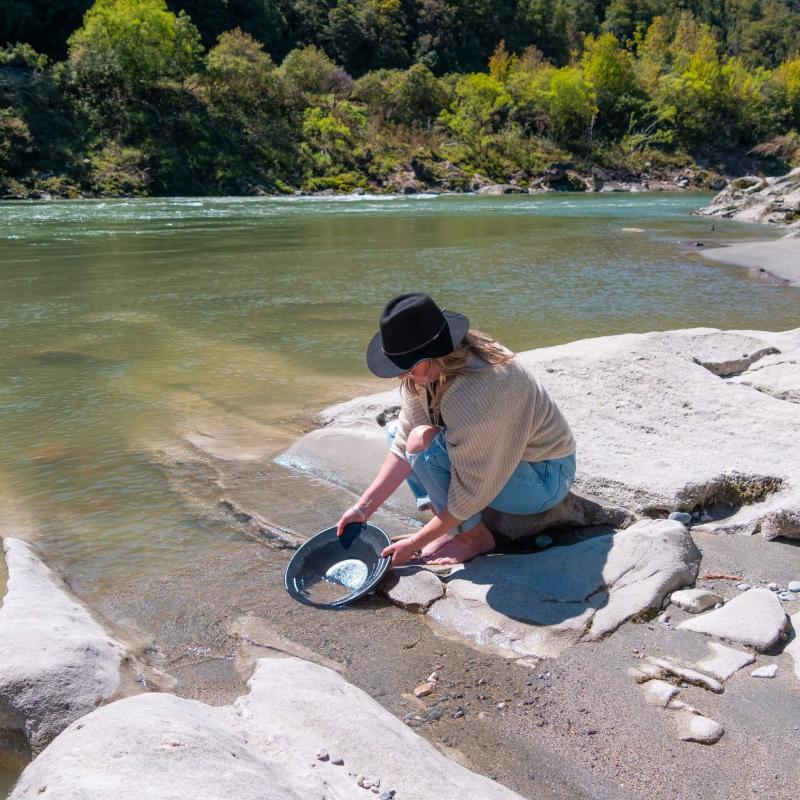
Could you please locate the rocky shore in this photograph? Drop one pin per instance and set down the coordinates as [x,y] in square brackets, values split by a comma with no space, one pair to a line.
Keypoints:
[622,647]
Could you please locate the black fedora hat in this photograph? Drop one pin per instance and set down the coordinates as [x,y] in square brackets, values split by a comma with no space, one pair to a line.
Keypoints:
[413,328]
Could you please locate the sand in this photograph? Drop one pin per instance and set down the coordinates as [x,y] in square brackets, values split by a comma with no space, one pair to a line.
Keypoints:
[778,257]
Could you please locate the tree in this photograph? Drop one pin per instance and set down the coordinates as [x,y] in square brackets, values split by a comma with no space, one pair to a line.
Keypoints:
[133,42]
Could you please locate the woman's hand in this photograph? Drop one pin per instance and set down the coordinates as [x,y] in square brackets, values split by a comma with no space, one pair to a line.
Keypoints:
[351,515]
[401,551]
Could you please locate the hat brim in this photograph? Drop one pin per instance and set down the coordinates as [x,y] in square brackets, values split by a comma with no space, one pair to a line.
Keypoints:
[390,367]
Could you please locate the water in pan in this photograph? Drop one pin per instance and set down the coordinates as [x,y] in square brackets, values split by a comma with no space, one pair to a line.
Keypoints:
[350,573]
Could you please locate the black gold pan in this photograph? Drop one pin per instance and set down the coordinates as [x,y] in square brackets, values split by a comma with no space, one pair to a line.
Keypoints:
[330,571]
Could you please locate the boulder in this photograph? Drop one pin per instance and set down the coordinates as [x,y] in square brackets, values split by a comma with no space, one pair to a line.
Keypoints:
[752,199]
[539,604]
[57,663]
[663,422]
[264,747]
[754,618]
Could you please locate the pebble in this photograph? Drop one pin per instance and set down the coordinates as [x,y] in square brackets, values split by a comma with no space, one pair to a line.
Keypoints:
[681,516]
[794,586]
[742,587]
[387,795]
[424,689]
[337,761]
[501,706]
[458,713]
[543,540]
[787,596]
[322,755]
[434,676]
[768,671]
[772,586]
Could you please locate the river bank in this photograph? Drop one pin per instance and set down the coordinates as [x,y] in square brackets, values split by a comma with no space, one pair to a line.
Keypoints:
[542,704]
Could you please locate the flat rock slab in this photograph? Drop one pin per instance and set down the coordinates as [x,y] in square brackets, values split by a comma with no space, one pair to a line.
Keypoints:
[778,375]
[663,421]
[412,588]
[538,604]
[264,747]
[695,601]
[754,618]
[696,728]
[57,663]
[659,693]
[722,662]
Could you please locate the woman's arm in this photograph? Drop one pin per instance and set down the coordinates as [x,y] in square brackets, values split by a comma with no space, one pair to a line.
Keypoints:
[392,473]
[404,550]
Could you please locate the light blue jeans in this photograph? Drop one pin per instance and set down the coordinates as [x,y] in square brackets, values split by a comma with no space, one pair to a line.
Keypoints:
[533,487]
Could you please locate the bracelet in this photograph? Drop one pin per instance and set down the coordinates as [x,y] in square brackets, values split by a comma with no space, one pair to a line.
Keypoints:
[360,513]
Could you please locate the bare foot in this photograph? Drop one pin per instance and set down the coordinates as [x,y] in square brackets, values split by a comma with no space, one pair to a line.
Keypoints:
[460,548]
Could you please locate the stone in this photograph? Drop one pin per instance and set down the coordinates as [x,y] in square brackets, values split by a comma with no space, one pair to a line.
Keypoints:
[538,604]
[256,749]
[742,587]
[659,693]
[57,662]
[768,671]
[794,586]
[424,689]
[337,761]
[773,587]
[793,648]
[543,540]
[668,667]
[754,618]
[696,728]
[722,662]
[412,588]
[323,755]
[787,596]
[433,677]
[681,516]
[695,601]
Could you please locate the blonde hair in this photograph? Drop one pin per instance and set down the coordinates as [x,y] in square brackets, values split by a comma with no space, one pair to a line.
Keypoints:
[475,343]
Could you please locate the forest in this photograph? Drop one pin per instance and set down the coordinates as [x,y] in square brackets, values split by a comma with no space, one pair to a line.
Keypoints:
[145,97]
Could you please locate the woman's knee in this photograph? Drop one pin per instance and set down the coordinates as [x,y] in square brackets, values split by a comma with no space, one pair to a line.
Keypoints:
[420,438]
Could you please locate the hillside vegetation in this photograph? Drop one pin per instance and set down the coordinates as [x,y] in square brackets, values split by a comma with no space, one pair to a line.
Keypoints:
[143,97]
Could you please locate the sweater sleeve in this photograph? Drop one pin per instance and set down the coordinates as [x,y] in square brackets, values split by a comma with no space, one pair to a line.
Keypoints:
[412,413]
[483,454]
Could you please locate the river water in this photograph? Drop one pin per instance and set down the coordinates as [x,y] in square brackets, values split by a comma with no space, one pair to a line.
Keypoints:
[125,322]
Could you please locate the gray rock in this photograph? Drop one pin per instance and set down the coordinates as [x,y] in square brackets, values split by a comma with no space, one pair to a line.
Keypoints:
[412,588]
[659,693]
[337,761]
[256,749]
[536,604]
[787,596]
[773,587]
[696,728]
[681,516]
[742,587]
[695,601]
[57,663]
[543,540]
[793,648]
[794,586]
[722,662]
[767,671]
[754,618]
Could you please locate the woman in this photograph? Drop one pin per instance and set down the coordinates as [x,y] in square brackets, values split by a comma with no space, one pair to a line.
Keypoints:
[476,429]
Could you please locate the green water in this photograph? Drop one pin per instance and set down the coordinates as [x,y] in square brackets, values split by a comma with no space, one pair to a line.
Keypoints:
[126,324]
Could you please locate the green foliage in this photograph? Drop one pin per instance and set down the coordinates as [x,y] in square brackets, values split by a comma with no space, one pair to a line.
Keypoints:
[133,43]
[787,81]
[15,142]
[480,106]
[22,56]
[310,70]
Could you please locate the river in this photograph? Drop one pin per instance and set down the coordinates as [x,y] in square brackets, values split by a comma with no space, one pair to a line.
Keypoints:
[124,323]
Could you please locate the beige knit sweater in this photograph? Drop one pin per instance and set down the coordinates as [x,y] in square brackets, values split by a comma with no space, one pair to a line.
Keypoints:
[495,417]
